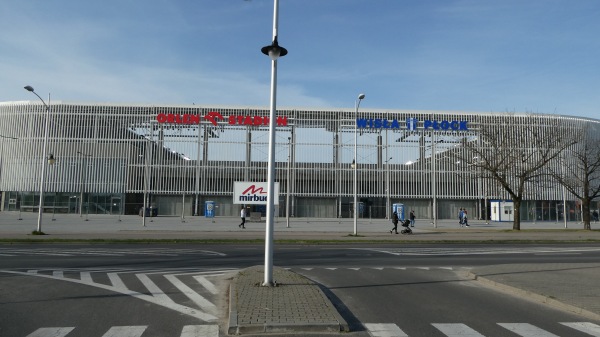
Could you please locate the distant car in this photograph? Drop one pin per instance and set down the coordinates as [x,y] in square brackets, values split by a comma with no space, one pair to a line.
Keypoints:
[150,211]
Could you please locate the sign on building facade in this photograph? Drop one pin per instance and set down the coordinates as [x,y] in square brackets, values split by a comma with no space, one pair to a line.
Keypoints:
[253,193]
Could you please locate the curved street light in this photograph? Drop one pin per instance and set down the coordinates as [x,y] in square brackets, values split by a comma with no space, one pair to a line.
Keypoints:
[355,162]
[274,51]
[49,158]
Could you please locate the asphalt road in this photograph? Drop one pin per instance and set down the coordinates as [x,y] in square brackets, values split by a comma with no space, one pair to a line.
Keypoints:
[418,290]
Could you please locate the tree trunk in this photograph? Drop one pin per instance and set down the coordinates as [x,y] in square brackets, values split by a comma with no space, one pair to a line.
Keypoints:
[517,214]
[585,207]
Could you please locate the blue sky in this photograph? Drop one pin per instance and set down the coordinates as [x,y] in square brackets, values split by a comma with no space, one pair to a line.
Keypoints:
[468,55]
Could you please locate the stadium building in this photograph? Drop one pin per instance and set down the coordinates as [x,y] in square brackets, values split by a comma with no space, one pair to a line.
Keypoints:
[109,157]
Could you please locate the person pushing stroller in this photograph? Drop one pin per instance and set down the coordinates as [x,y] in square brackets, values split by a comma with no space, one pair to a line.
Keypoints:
[395,222]
[405,224]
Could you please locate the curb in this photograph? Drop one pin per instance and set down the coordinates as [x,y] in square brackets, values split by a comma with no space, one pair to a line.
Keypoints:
[232,328]
[544,299]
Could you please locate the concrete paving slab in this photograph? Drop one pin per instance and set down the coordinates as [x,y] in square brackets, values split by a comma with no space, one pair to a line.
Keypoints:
[294,304]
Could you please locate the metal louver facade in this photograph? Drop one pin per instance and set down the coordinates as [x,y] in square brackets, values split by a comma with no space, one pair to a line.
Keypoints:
[109,155]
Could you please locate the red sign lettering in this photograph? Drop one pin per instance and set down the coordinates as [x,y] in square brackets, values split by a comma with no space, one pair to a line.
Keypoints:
[214,117]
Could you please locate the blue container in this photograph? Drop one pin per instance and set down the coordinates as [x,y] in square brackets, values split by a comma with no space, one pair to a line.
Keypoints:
[399,208]
[209,209]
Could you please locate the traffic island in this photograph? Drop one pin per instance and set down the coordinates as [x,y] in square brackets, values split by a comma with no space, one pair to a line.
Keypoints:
[295,304]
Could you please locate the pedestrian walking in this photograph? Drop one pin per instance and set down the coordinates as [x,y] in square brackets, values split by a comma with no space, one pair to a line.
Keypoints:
[412,218]
[243,216]
[460,217]
[395,222]
[465,219]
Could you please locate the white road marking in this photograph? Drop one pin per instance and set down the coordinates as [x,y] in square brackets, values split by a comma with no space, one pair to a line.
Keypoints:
[107,252]
[486,251]
[191,294]
[51,332]
[86,276]
[200,330]
[206,284]
[90,252]
[374,329]
[526,330]
[153,288]
[206,317]
[116,281]
[588,328]
[125,331]
[384,330]
[456,330]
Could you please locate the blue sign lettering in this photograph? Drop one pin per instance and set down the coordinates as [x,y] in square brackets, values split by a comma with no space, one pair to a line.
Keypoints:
[411,124]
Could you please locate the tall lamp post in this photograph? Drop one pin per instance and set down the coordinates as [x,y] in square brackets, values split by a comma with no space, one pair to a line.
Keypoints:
[388,193]
[146,184]
[45,156]
[274,51]
[355,162]
[287,194]
[83,182]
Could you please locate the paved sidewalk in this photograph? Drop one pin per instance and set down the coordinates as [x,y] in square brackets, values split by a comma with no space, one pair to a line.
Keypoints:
[74,227]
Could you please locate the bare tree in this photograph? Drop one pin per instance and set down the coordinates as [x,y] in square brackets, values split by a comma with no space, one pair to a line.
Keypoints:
[514,152]
[579,171]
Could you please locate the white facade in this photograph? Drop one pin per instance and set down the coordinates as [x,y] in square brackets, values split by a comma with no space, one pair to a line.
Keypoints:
[109,156]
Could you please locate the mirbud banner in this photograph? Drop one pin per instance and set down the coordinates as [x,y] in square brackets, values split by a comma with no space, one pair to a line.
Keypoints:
[253,193]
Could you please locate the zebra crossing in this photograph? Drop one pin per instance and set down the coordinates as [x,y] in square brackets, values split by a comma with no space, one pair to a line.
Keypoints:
[164,285]
[152,285]
[112,251]
[129,331]
[483,250]
[463,330]
[374,330]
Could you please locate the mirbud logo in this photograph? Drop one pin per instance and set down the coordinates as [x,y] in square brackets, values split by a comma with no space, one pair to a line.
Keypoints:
[253,193]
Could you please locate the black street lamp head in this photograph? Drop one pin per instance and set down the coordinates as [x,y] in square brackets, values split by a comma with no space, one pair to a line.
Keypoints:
[29,88]
[361,96]
[274,51]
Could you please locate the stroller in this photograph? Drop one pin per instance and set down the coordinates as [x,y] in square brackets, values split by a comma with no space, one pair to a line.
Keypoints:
[406,225]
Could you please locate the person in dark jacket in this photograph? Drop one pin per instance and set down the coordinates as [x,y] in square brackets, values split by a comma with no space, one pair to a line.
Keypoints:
[395,222]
